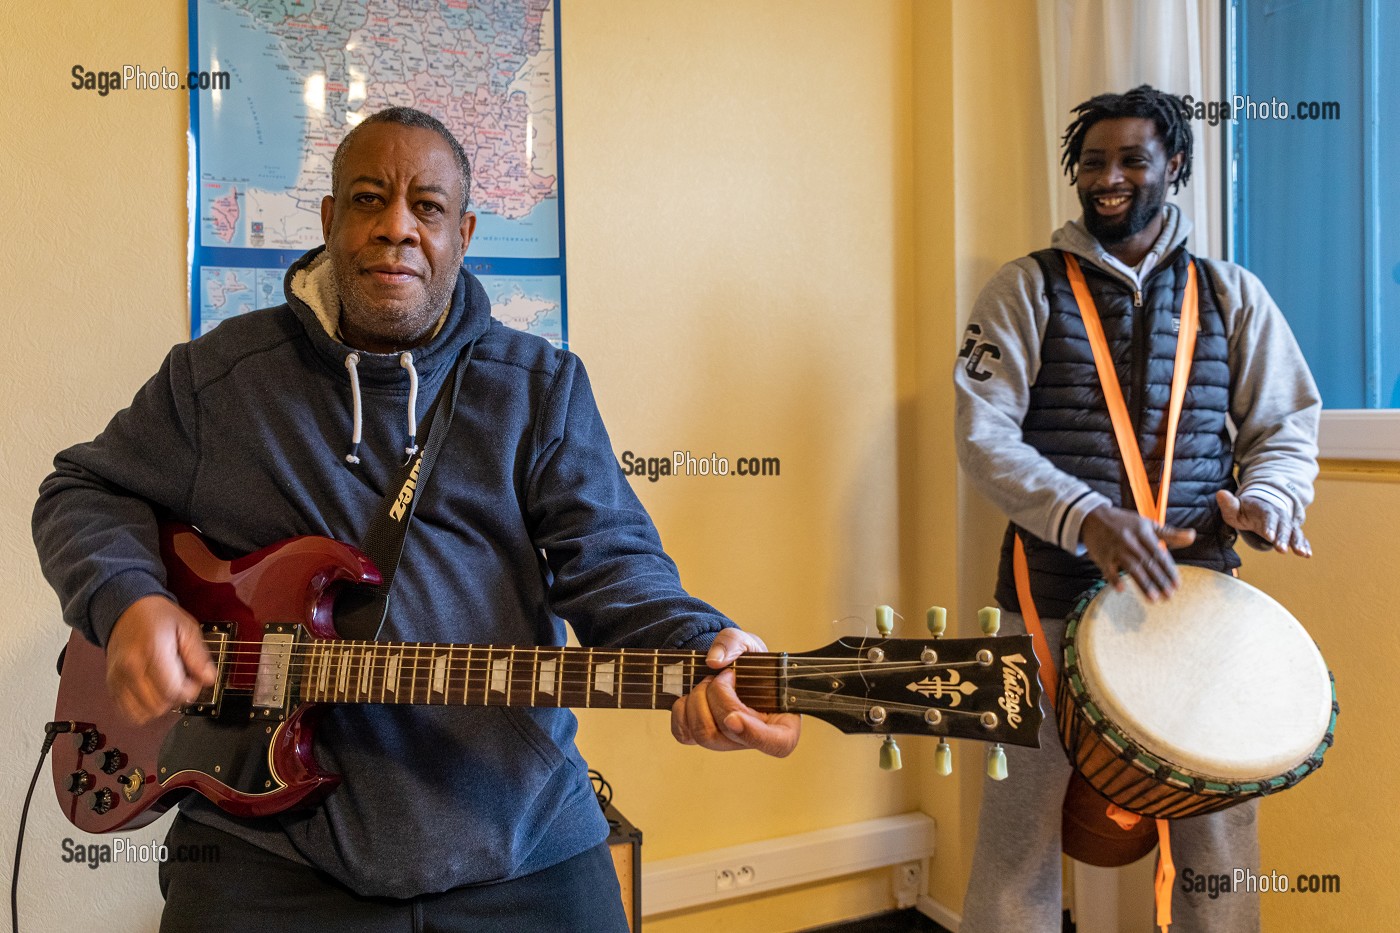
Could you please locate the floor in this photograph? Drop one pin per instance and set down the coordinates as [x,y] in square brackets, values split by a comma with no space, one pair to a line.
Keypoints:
[899,921]
[893,921]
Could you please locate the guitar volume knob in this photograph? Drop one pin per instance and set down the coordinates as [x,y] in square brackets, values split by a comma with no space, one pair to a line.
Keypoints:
[89,741]
[113,760]
[79,782]
[102,800]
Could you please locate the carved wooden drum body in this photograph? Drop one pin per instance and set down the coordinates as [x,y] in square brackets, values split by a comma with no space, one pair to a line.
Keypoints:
[1193,705]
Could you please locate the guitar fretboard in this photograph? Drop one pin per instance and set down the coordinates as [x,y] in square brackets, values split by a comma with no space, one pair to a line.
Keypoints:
[518,675]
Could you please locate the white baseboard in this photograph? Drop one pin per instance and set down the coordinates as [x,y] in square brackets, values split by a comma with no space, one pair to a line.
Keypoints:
[939,914]
[741,871]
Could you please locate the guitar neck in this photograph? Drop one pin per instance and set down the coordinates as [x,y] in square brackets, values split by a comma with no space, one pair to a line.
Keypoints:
[519,675]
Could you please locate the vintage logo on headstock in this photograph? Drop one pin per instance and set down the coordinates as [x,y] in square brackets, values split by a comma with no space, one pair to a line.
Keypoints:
[1014,685]
[953,689]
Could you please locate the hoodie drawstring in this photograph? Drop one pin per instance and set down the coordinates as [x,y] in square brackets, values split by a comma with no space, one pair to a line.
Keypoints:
[351,361]
[406,361]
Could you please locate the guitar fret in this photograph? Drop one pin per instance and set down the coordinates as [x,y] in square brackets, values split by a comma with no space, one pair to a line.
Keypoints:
[322,672]
[549,677]
[439,682]
[308,674]
[454,670]
[304,672]
[587,680]
[497,681]
[566,658]
[328,671]
[342,670]
[347,653]
[393,666]
[561,680]
[534,680]
[621,676]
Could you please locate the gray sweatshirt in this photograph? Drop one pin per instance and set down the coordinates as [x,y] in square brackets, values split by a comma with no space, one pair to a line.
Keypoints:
[1274,403]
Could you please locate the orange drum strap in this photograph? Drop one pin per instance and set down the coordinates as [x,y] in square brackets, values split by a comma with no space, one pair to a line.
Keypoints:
[1153,508]
[1049,675]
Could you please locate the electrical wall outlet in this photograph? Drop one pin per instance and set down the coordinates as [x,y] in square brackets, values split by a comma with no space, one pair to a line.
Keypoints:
[735,876]
[908,883]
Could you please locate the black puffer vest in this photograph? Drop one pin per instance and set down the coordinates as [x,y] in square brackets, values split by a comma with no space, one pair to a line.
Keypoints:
[1067,419]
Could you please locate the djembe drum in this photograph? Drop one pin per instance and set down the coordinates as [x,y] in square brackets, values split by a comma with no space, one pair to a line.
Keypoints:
[1189,706]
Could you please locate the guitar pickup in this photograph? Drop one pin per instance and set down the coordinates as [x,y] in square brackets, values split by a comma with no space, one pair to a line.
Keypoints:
[270,688]
[210,699]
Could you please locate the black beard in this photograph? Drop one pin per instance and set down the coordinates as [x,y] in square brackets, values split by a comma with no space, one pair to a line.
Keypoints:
[1147,204]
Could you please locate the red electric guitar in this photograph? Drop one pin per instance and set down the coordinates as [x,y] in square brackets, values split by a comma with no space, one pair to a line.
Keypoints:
[246,742]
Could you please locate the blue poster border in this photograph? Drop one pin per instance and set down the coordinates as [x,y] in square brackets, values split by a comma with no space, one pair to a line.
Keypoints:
[201,256]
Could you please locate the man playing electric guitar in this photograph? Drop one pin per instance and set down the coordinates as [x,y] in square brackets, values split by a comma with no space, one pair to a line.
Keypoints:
[296,420]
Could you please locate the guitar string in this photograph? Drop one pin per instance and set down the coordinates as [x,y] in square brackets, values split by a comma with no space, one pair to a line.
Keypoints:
[750,665]
[747,674]
[496,653]
[304,668]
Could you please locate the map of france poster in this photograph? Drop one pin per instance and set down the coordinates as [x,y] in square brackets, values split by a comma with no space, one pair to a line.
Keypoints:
[304,72]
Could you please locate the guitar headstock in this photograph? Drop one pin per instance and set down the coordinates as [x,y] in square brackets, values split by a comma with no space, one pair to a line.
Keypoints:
[986,689]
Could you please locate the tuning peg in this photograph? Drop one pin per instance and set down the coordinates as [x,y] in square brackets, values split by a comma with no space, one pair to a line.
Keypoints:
[996,763]
[943,759]
[990,620]
[884,620]
[889,755]
[937,618]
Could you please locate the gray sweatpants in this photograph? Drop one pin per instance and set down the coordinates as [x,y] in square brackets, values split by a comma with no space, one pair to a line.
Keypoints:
[1015,885]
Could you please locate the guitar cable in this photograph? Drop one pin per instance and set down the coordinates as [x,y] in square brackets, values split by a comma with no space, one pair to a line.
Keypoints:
[601,788]
[51,733]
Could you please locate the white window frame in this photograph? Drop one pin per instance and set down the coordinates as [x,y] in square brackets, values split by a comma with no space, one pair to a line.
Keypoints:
[1360,434]
[1344,433]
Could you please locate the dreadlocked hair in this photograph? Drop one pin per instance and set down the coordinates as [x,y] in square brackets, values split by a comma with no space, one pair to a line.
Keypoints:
[1167,111]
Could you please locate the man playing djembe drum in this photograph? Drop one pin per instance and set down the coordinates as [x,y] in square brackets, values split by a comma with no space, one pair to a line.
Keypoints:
[1036,436]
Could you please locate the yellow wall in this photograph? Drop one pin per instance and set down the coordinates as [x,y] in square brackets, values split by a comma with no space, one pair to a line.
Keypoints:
[778,216]
[94,192]
[1340,821]
[737,207]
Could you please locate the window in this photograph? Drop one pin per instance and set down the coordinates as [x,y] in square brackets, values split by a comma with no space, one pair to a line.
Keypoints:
[1315,163]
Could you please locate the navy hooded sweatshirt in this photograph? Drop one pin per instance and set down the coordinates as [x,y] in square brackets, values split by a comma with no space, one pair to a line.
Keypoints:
[526,521]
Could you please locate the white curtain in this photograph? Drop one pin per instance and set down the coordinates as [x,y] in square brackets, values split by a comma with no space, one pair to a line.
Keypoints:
[1089,47]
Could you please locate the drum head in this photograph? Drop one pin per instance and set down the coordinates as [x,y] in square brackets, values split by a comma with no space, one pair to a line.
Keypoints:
[1219,680]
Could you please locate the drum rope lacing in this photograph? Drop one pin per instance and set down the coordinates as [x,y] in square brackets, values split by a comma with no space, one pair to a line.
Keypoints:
[1153,508]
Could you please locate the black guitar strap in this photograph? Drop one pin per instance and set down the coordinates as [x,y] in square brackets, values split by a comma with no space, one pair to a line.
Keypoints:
[361,610]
